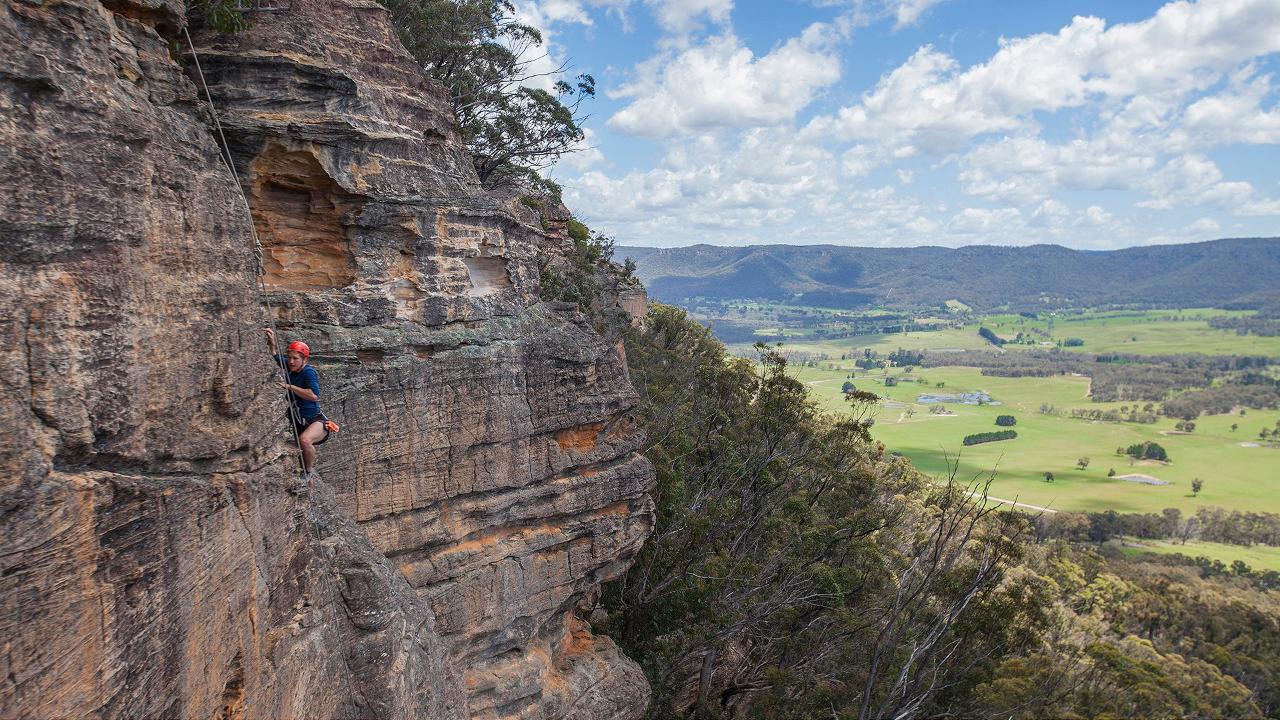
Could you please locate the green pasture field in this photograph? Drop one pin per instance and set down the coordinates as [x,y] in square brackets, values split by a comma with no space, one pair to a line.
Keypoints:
[1152,332]
[1235,476]
[1238,477]
[884,343]
[1257,557]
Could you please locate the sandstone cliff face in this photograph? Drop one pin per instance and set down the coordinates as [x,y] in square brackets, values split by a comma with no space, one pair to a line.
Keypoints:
[486,480]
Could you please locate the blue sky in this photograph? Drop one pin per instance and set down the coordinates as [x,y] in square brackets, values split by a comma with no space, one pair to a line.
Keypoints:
[1093,125]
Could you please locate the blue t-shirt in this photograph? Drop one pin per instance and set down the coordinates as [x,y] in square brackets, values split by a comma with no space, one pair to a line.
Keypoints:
[308,378]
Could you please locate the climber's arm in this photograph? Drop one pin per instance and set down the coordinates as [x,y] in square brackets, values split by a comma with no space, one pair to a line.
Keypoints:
[304,393]
[312,390]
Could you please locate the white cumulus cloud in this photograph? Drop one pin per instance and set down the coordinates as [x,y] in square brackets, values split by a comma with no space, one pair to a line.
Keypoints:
[1235,115]
[932,104]
[970,221]
[722,83]
[909,12]
[1193,180]
[682,16]
[1204,225]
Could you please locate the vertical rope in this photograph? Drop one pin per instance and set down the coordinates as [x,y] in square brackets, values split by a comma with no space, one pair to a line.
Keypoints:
[224,152]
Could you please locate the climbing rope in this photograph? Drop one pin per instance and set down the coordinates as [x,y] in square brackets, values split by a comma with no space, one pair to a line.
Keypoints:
[225,153]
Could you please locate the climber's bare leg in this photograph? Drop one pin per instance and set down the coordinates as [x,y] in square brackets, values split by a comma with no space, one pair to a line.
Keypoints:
[309,437]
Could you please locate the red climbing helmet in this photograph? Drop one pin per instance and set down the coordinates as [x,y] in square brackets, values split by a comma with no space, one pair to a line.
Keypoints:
[301,347]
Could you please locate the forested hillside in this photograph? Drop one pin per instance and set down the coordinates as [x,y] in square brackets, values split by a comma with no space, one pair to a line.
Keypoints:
[1243,272]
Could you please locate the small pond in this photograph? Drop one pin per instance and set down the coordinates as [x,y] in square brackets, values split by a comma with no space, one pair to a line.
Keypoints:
[973,398]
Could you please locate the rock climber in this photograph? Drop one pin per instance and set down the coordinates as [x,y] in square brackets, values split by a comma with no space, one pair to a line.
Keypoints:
[303,387]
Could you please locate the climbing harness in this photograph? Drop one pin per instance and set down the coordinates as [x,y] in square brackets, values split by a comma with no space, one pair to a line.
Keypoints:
[224,152]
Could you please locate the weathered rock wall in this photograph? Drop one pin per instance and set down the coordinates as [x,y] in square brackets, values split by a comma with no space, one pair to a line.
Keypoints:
[486,479]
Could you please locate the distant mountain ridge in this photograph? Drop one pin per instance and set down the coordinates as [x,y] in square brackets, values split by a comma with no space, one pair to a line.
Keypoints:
[1241,272]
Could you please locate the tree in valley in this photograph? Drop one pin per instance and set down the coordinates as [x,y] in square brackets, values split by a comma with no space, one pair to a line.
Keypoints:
[1187,529]
[1147,451]
[1196,485]
[1082,463]
[1048,477]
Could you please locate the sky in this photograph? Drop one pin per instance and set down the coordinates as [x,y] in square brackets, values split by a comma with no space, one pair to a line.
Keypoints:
[1094,125]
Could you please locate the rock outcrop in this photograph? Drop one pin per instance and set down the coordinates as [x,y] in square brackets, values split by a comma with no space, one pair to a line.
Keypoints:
[486,479]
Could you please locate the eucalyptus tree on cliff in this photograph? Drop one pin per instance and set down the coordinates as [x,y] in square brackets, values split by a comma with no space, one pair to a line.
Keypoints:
[516,113]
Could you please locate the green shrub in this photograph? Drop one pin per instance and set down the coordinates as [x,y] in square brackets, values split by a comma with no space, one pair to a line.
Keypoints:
[587,256]
[220,15]
[1147,451]
[986,437]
